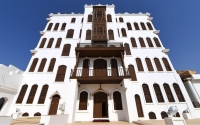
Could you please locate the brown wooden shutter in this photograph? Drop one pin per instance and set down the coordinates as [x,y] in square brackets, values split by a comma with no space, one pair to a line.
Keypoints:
[73,20]
[143,26]
[133,42]
[43,43]
[37,114]
[139,106]
[49,27]
[177,114]
[32,94]
[56,27]
[80,33]
[88,35]
[54,105]
[149,26]
[82,20]
[58,43]
[163,114]
[66,50]
[152,115]
[117,101]
[121,19]
[83,100]
[25,114]
[127,49]
[157,42]
[123,32]
[42,65]
[139,64]
[51,65]
[89,18]
[60,76]
[116,20]
[43,94]
[166,63]
[158,93]
[114,67]
[118,32]
[136,26]
[129,26]
[178,93]
[132,72]
[149,42]
[33,65]
[22,94]
[149,64]
[158,65]
[50,43]
[85,71]
[109,18]
[142,44]
[111,35]
[147,93]
[168,93]
[70,33]
[63,26]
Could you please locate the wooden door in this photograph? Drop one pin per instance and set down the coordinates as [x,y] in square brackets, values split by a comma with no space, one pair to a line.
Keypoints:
[54,105]
[100,67]
[85,71]
[114,67]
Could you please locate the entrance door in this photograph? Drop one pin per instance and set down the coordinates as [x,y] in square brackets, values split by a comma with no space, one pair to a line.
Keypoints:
[54,105]
[85,71]
[114,67]
[100,105]
[100,67]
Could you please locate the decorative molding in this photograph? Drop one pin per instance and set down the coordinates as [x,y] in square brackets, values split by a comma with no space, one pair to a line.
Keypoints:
[42,33]
[55,93]
[33,52]
[186,73]
[150,18]
[166,51]
[156,32]
[148,14]
[48,19]
[100,90]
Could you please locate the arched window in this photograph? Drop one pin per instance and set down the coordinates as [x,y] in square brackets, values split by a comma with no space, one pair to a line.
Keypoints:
[149,64]
[42,65]
[132,72]
[178,93]
[49,26]
[133,42]
[129,26]
[73,20]
[2,101]
[66,50]
[149,26]
[177,114]
[127,49]
[117,101]
[143,26]
[111,35]
[85,71]
[163,114]
[25,114]
[152,115]
[43,43]
[109,18]
[80,33]
[43,94]
[56,27]
[116,19]
[88,35]
[139,106]
[33,65]
[118,32]
[58,43]
[157,42]
[147,93]
[136,26]
[166,63]
[123,32]
[32,94]
[168,93]
[83,100]
[114,67]
[82,20]
[149,42]
[22,94]
[50,43]
[51,65]
[121,19]
[139,64]
[158,93]
[63,26]
[89,18]
[37,114]
[60,76]
[142,44]
[70,33]
[158,65]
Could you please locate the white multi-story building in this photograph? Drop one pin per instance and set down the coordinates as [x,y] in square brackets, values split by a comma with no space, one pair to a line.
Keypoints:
[101,65]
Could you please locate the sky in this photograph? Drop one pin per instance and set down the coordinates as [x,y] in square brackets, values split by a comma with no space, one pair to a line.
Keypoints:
[177,20]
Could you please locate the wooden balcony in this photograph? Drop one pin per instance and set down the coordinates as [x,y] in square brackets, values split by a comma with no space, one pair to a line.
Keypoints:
[99,76]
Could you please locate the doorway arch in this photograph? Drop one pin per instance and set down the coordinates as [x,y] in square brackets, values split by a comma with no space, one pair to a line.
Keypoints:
[100,67]
[54,105]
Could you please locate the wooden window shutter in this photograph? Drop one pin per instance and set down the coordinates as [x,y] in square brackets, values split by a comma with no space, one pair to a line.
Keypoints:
[25,114]
[109,18]
[143,26]
[118,32]
[149,64]
[127,49]
[37,114]
[157,42]
[121,19]
[133,42]
[164,114]
[32,94]
[73,20]
[63,26]
[152,115]
[33,65]
[177,114]
[22,94]
[139,64]
[66,50]
[70,33]
[147,93]
[56,27]
[132,72]
[158,93]
[58,43]
[129,26]
[139,106]
[178,93]
[116,19]
[168,93]
[49,26]
[89,18]
[50,43]
[82,20]
[60,76]
[123,32]
[43,43]
[80,33]
[149,42]
[136,26]
[158,65]
[149,26]
[42,65]
[43,94]
[166,63]
[88,35]
[83,100]
[117,101]
[111,35]
[51,65]
[142,44]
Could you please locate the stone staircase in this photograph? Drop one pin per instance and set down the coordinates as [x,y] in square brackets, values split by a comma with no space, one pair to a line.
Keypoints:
[26,121]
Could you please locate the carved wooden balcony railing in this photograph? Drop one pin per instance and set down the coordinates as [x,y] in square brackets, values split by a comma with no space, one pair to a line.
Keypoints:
[99,45]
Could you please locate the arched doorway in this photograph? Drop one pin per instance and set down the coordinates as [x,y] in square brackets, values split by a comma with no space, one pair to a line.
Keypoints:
[100,105]
[85,71]
[114,67]
[54,105]
[100,67]
[2,101]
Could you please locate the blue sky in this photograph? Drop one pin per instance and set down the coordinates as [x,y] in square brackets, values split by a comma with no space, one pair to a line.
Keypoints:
[178,21]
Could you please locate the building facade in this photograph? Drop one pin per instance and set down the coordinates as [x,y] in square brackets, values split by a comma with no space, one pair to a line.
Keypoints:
[101,65]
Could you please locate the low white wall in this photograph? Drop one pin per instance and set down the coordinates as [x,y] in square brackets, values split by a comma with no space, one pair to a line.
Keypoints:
[5,120]
[54,119]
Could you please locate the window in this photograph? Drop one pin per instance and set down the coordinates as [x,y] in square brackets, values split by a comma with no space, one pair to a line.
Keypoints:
[50,43]
[80,33]
[116,20]
[88,35]
[178,93]
[33,65]
[42,64]
[63,26]
[168,93]
[66,50]
[166,63]
[43,43]
[158,93]
[51,65]
[143,26]
[147,94]
[58,43]
[37,114]
[142,44]
[109,18]
[25,114]
[149,64]
[56,27]
[32,94]
[136,26]
[2,102]
[111,35]
[132,72]
[82,20]
[158,65]
[163,114]
[60,76]
[83,100]
[121,19]
[118,32]
[22,94]
[157,42]
[49,26]
[127,49]
[117,101]
[123,32]
[89,18]
[152,115]
[73,20]
[149,42]
[70,33]
[139,64]
[139,106]
[133,42]
[149,26]
[129,26]
[43,94]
